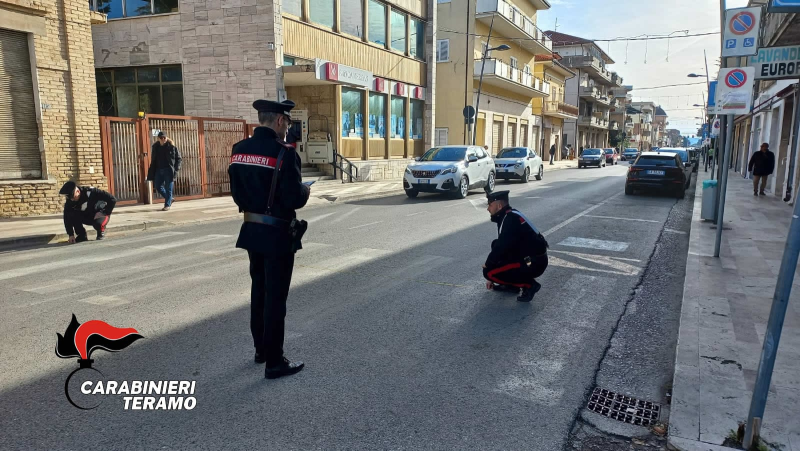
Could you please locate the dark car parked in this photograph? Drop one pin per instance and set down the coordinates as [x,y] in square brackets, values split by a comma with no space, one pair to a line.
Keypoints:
[630,154]
[658,171]
[592,157]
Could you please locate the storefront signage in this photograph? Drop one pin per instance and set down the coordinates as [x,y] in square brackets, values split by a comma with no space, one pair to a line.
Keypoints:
[418,93]
[330,71]
[776,63]
[380,85]
[401,89]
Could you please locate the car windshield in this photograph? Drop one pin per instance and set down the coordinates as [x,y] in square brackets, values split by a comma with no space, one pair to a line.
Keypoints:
[513,152]
[591,152]
[656,160]
[631,150]
[609,151]
[445,154]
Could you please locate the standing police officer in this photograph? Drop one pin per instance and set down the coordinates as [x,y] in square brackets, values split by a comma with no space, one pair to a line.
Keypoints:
[519,254]
[266,184]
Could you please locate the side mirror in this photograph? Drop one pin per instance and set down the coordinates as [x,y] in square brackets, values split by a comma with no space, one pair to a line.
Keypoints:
[417,158]
[473,158]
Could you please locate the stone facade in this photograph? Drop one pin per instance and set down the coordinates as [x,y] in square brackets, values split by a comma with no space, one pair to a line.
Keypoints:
[225,47]
[67,111]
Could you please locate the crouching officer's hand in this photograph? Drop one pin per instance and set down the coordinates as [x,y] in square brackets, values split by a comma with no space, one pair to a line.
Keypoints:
[72,239]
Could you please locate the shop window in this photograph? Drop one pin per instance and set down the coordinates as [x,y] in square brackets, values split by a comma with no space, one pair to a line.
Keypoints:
[352,117]
[377,115]
[321,12]
[125,92]
[398,31]
[112,8]
[417,38]
[416,127]
[351,17]
[377,22]
[293,7]
[165,6]
[288,61]
[116,9]
[397,127]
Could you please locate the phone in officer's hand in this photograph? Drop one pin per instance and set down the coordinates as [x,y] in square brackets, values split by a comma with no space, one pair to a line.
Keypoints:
[308,183]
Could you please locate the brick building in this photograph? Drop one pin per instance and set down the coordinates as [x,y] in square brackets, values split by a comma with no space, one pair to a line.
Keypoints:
[48,104]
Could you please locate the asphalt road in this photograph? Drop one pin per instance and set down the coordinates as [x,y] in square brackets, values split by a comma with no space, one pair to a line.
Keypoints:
[404,347]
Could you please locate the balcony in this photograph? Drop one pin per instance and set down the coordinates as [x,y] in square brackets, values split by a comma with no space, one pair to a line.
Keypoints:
[616,80]
[499,74]
[613,125]
[593,121]
[590,64]
[557,108]
[509,22]
[594,94]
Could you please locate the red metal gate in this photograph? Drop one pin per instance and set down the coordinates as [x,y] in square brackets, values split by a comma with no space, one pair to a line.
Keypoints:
[205,145]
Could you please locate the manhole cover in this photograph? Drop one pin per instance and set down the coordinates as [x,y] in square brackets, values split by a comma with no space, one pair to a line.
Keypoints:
[623,408]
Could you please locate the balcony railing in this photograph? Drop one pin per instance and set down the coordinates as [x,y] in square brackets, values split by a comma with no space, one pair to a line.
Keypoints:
[588,62]
[595,94]
[559,107]
[593,121]
[616,79]
[515,16]
[503,70]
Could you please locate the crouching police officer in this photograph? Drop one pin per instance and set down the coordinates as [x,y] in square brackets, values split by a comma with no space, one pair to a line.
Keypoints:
[86,206]
[519,254]
[267,186]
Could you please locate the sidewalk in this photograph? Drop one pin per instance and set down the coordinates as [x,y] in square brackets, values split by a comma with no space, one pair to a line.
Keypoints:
[726,304]
[27,231]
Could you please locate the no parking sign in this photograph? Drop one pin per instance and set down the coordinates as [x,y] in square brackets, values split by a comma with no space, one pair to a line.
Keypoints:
[735,90]
[740,35]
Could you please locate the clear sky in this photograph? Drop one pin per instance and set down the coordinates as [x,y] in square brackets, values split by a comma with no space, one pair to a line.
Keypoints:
[644,63]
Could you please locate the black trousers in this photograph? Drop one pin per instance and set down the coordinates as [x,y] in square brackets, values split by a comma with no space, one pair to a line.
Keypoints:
[516,274]
[77,220]
[270,277]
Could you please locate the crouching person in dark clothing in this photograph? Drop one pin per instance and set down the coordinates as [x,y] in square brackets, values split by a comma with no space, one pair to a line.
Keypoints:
[519,254]
[86,206]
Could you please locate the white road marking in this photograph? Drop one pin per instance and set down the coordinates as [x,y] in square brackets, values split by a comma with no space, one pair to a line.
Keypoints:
[155,236]
[197,240]
[613,265]
[364,225]
[679,232]
[68,262]
[583,213]
[54,286]
[342,217]
[479,204]
[104,300]
[533,197]
[414,214]
[456,204]
[621,219]
[319,218]
[616,246]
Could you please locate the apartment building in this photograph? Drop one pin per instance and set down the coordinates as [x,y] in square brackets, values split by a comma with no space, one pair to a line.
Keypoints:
[621,122]
[554,109]
[360,70]
[589,90]
[48,108]
[643,135]
[660,124]
[506,80]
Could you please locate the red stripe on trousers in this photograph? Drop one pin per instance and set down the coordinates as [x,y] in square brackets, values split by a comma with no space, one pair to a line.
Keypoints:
[103,225]
[491,275]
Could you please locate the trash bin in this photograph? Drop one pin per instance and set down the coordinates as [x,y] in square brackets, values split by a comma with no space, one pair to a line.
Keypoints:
[709,199]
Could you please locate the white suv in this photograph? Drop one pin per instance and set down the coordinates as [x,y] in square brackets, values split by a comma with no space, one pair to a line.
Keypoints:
[518,163]
[450,169]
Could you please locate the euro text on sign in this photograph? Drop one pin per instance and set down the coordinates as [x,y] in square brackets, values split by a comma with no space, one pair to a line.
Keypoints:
[775,63]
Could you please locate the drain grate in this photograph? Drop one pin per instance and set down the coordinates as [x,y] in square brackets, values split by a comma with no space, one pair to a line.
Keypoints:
[623,408]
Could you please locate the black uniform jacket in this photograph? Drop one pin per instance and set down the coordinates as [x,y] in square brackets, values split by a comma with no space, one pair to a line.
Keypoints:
[166,156]
[91,201]
[517,239]
[251,170]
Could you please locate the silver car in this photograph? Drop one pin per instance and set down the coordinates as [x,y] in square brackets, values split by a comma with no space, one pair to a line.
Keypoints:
[450,169]
[518,163]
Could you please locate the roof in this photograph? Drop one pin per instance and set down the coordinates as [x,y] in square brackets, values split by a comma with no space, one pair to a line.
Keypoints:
[660,111]
[563,39]
[632,110]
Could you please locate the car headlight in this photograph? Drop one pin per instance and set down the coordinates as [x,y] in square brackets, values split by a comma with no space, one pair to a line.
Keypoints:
[450,170]
[408,170]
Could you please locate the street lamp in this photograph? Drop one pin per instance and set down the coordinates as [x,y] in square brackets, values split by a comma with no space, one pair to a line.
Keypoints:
[499,48]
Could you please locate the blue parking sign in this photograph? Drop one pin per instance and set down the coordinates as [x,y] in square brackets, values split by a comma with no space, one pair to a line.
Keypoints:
[730,44]
[749,42]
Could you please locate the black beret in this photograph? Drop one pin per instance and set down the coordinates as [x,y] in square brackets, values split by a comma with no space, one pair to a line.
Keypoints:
[268,106]
[68,188]
[497,195]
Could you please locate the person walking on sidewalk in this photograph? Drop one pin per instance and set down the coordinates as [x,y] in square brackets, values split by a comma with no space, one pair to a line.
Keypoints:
[86,206]
[552,153]
[762,164]
[165,162]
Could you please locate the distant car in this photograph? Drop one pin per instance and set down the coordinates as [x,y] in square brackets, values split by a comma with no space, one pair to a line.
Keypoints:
[450,169]
[660,171]
[518,163]
[685,157]
[592,157]
[630,154]
[611,156]
[653,149]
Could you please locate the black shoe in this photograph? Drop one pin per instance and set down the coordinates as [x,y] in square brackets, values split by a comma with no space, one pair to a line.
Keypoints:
[81,238]
[101,235]
[260,358]
[527,293]
[506,288]
[762,193]
[284,368]
[755,193]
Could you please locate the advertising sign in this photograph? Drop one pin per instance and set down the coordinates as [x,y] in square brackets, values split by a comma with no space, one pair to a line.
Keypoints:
[735,90]
[740,35]
[330,71]
[712,105]
[776,63]
[784,6]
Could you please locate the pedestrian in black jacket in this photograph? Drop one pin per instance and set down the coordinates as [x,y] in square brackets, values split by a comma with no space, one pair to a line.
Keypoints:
[165,162]
[86,205]
[552,153]
[762,164]
[519,254]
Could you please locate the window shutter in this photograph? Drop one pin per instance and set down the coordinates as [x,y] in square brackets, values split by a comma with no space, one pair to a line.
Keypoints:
[443,51]
[441,137]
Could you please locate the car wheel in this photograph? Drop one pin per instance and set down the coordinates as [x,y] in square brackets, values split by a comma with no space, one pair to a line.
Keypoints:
[526,176]
[463,188]
[540,174]
[489,183]
[412,193]
[681,194]
[604,165]
[628,190]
